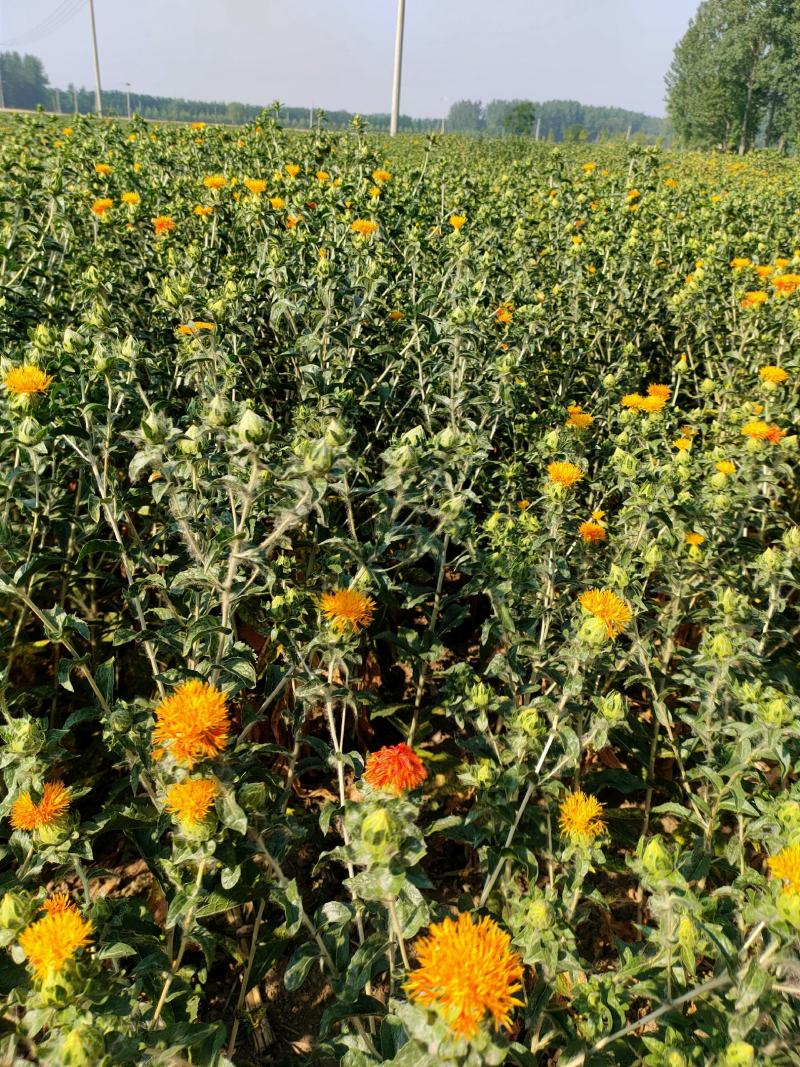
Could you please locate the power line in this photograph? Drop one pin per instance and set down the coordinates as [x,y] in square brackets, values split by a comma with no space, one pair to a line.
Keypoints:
[52,22]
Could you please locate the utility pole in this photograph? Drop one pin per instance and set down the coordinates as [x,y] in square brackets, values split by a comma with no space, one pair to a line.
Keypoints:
[98,92]
[74,100]
[311,118]
[398,67]
[58,100]
[128,97]
[2,96]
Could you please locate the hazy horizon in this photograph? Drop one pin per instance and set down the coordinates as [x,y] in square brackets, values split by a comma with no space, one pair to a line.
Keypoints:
[611,53]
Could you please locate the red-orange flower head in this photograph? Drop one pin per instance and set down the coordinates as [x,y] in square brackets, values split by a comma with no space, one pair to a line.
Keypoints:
[51,942]
[27,815]
[395,769]
[467,971]
[192,723]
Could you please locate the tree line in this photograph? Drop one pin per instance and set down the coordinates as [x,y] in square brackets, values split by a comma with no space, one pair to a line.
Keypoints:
[553,120]
[734,82]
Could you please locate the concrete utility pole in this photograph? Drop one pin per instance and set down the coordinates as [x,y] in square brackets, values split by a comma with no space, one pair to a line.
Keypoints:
[128,97]
[98,92]
[398,67]
[2,97]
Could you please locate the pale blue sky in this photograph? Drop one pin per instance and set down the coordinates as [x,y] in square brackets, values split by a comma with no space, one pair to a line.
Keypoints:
[338,53]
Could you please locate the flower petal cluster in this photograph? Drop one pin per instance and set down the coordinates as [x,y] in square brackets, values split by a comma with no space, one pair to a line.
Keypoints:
[27,379]
[192,723]
[578,418]
[28,815]
[364,226]
[774,375]
[50,943]
[581,817]
[786,866]
[347,609]
[395,769]
[564,474]
[191,800]
[467,971]
[609,608]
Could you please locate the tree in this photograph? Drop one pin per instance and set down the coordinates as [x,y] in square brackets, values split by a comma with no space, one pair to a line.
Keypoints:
[25,83]
[465,116]
[734,76]
[519,119]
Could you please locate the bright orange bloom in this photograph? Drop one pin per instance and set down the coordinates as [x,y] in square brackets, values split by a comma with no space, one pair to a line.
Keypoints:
[784,284]
[198,126]
[755,298]
[27,815]
[651,405]
[215,181]
[504,314]
[580,817]
[592,531]
[762,431]
[394,769]
[610,609]
[102,168]
[774,375]
[201,209]
[683,443]
[347,609]
[764,270]
[192,723]
[51,942]
[256,186]
[58,902]
[457,221]
[101,206]
[564,474]
[292,220]
[192,799]
[694,539]
[132,199]
[26,379]
[292,169]
[578,418]
[632,400]
[740,262]
[467,971]
[163,224]
[381,176]
[322,175]
[786,866]
[662,391]
[725,466]
[190,329]
[396,316]
[277,203]
[365,227]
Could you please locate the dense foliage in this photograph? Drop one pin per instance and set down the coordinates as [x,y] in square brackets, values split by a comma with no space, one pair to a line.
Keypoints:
[735,77]
[398,601]
[553,120]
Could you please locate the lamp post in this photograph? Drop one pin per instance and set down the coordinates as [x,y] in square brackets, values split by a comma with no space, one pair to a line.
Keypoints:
[398,67]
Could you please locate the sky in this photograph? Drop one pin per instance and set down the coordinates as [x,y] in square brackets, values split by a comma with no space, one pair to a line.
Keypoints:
[338,53]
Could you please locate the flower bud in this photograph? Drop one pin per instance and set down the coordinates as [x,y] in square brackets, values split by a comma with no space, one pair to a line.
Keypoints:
[612,707]
[480,695]
[156,427]
[791,539]
[336,434]
[219,412]
[16,910]
[656,860]
[706,386]
[739,1054]
[718,480]
[551,440]
[617,577]
[770,561]
[593,632]
[528,720]
[251,427]
[24,736]
[609,381]
[789,815]
[539,916]
[652,555]
[719,646]
[192,442]
[448,438]
[82,1047]
[789,908]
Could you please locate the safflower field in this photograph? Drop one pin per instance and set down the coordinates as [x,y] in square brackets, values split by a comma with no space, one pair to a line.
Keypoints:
[398,600]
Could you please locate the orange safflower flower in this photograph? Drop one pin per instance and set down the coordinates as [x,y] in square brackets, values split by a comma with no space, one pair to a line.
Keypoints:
[592,531]
[773,375]
[610,609]
[662,391]
[347,609]
[322,176]
[365,227]
[58,902]
[102,168]
[757,430]
[786,866]
[163,224]
[292,169]
[740,262]
[27,379]
[277,203]
[201,209]
[28,815]
[580,817]
[191,800]
[102,205]
[578,418]
[755,298]
[504,313]
[394,769]
[784,284]
[683,444]
[192,723]
[215,181]
[381,176]
[457,221]
[467,971]
[256,186]
[564,474]
[51,942]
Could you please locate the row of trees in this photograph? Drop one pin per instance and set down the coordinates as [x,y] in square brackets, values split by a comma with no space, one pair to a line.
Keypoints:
[734,82]
[553,120]
[23,82]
